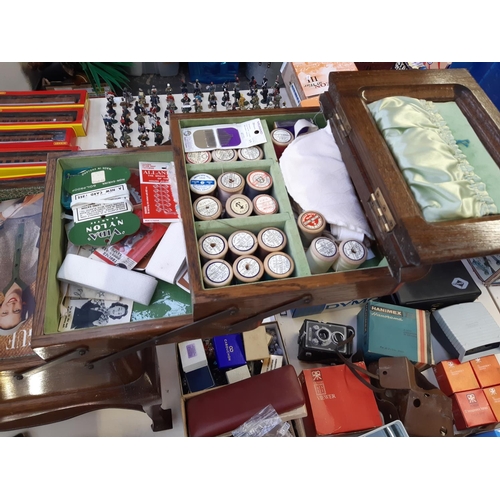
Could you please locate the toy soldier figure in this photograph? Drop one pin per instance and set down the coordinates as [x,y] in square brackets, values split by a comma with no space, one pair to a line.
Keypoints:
[140,118]
[168,89]
[225,97]
[212,101]
[125,140]
[186,107]
[198,108]
[142,129]
[143,138]
[243,104]
[141,97]
[197,89]
[277,84]
[127,98]
[186,99]
[110,141]
[167,116]
[264,83]
[109,128]
[138,109]
[229,106]
[236,83]
[255,102]
[264,93]
[125,113]
[225,87]
[171,103]
[253,82]
[236,94]
[154,100]
[110,97]
[158,132]
[277,99]
[211,88]
[184,88]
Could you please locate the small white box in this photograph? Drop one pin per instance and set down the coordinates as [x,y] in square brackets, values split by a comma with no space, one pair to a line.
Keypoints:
[192,353]
[237,374]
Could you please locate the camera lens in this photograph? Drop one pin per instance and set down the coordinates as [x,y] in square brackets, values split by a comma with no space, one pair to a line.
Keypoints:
[323,334]
[338,337]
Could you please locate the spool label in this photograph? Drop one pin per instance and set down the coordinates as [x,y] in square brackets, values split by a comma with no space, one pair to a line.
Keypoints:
[223,155]
[325,247]
[282,135]
[198,157]
[213,245]
[279,264]
[272,238]
[354,250]
[231,180]
[202,183]
[259,179]
[266,204]
[240,206]
[242,241]
[217,272]
[207,207]
[251,153]
[248,267]
[311,220]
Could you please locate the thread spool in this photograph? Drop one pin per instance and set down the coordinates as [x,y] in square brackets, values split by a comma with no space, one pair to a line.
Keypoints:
[253,153]
[352,254]
[224,155]
[229,183]
[242,242]
[239,205]
[212,246]
[248,269]
[281,138]
[202,184]
[199,157]
[265,204]
[278,265]
[321,255]
[311,224]
[270,239]
[258,182]
[217,273]
[207,208]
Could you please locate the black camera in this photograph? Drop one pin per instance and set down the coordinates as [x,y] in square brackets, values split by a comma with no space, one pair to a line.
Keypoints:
[320,342]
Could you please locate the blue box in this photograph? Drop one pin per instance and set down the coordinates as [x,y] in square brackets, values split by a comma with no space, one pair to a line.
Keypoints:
[229,351]
[217,72]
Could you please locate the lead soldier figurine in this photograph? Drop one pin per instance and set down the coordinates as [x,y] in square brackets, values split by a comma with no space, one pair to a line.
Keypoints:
[198,108]
[184,87]
[110,140]
[125,140]
[168,89]
[212,101]
[197,89]
[255,102]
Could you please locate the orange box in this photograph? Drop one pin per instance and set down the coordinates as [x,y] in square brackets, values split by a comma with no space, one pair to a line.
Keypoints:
[487,370]
[306,80]
[471,409]
[453,376]
[337,402]
[493,396]
[44,99]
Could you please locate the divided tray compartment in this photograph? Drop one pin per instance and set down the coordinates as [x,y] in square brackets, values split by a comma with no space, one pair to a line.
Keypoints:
[255,298]
[46,340]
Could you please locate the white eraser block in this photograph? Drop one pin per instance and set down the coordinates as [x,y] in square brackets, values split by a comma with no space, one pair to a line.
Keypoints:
[192,353]
[170,254]
[132,285]
[237,374]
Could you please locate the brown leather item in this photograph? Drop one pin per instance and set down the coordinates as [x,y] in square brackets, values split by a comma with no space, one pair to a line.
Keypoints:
[222,410]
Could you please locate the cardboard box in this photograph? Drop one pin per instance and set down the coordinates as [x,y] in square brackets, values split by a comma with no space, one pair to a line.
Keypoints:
[390,330]
[487,370]
[304,81]
[493,396]
[337,402]
[192,353]
[471,409]
[453,376]
[256,344]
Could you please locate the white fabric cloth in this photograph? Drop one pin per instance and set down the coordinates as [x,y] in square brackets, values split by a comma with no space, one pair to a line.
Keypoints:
[317,179]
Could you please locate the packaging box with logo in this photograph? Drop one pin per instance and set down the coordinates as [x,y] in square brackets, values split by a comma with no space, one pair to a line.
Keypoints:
[390,330]
[304,81]
[493,396]
[337,402]
[487,370]
[471,409]
[453,376]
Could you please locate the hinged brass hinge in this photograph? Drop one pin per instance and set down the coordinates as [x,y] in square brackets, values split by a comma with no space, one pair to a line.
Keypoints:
[379,206]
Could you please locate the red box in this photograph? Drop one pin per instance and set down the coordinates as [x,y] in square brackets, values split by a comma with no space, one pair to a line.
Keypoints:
[21,140]
[453,376]
[487,370]
[493,396]
[471,409]
[44,98]
[337,402]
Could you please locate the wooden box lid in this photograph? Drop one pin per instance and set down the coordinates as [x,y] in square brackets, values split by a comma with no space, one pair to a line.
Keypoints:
[407,239]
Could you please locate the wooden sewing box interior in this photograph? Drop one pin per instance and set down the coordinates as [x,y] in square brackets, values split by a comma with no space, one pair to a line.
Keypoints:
[406,245]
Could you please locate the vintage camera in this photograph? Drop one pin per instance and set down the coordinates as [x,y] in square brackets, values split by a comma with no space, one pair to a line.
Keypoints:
[319,342]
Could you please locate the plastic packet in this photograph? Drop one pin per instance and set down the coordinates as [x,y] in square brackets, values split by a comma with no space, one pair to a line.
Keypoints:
[265,423]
